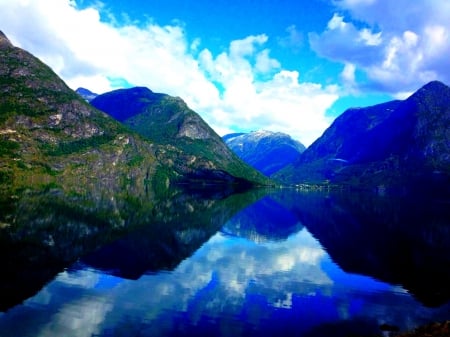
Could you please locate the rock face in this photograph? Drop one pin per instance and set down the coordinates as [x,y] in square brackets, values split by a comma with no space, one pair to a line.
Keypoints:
[4,41]
[159,117]
[49,136]
[392,144]
[190,145]
[266,151]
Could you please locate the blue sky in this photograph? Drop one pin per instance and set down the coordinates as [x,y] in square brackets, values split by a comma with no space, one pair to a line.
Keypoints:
[289,66]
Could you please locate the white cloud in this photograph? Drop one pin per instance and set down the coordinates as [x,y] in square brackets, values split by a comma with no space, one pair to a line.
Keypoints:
[343,41]
[242,87]
[404,44]
[293,39]
[348,74]
[369,38]
[337,22]
[259,94]
[247,46]
[264,63]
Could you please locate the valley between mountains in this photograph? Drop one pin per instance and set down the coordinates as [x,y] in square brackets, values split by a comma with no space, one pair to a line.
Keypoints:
[397,145]
[80,170]
[137,140]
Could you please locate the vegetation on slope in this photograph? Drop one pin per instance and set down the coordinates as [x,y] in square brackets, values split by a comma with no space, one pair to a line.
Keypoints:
[188,144]
[51,137]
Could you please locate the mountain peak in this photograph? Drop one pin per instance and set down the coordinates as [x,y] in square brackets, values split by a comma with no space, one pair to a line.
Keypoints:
[435,87]
[397,144]
[136,91]
[197,151]
[4,41]
[267,151]
[86,94]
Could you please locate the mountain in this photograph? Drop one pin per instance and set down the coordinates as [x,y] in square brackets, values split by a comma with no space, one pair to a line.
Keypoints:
[73,179]
[191,147]
[232,135]
[266,151]
[394,144]
[86,94]
[50,137]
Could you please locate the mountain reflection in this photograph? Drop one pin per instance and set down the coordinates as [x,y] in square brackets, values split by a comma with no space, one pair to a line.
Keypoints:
[398,240]
[264,220]
[275,268]
[44,232]
[182,225]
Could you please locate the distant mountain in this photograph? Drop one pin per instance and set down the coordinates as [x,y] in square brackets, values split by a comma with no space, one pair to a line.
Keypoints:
[397,143]
[191,147]
[232,135]
[266,151]
[86,94]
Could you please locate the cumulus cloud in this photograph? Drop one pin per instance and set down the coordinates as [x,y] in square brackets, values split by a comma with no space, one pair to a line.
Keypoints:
[293,39]
[348,74]
[343,41]
[259,94]
[241,87]
[400,45]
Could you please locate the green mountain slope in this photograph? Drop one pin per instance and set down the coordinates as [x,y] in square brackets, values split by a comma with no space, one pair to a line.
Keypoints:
[190,146]
[49,136]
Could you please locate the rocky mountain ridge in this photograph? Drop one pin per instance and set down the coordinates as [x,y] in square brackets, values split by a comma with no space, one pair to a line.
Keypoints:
[266,151]
[51,137]
[191,146]
[391,144]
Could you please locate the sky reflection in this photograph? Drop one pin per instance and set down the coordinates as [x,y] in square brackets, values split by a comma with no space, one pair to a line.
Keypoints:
[232,285]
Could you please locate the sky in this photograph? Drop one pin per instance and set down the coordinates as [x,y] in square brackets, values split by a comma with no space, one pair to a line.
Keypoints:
[278,65]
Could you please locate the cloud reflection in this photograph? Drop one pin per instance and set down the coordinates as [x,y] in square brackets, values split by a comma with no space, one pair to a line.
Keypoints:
[221,277]
[231,283]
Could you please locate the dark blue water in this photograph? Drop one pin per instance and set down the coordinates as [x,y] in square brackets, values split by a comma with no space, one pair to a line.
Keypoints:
[290,264]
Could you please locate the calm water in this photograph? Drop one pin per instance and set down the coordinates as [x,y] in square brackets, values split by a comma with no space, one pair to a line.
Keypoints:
[286,264]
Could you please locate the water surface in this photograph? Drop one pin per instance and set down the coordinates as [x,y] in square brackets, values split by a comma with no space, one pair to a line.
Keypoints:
[284,263]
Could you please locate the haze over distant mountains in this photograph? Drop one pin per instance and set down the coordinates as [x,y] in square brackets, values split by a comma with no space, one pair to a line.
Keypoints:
[266,151]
